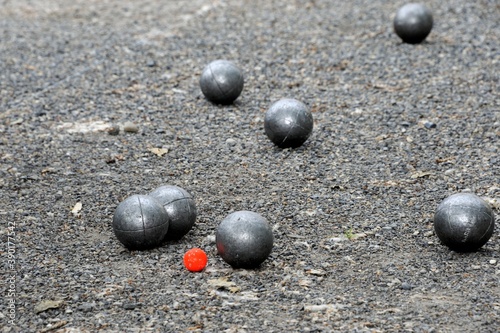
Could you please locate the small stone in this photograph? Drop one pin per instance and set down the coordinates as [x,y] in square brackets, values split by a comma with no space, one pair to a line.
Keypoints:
[493,261]
[429,125]
[86,307]
[449,172]
[48,304]
[406,286]
[114,130]
[130,306]
[336,239]
[130,127]
[231,142]
[151,63]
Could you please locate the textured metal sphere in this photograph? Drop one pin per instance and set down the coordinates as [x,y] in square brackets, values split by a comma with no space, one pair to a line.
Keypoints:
[140,222]
[288,123]
[221,82]
[413,23]
[464,222]
[244,239]
[180,207]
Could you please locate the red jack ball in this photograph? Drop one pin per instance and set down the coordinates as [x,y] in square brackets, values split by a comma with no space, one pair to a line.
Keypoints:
[195,260]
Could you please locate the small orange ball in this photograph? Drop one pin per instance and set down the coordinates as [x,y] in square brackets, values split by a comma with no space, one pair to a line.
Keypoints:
[195,260]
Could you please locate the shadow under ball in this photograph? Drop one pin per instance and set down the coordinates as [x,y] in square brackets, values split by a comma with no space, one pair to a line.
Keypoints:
[221,82]
[413,23]
[288,123]
[180,208]
[464,222]
[244,239]
[140,222]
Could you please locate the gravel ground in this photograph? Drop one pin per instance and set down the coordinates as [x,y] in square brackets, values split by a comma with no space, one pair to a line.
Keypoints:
[397,129]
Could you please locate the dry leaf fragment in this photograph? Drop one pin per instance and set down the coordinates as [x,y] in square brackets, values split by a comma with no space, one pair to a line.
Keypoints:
[446,160]
[317,272]
[224,283]
[159,151]
[306,283]
[48,170]
[494,202]
[420,174]
[48,304]
[322,307]
[55,326]
[76,210]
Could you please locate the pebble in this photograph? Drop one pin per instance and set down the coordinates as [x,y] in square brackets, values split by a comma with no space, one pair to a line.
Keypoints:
[231,142]
[130,306]
[449,172]
[114,130]
[406,286]
[493,261]
[429,125]
[130,127]
[86,307]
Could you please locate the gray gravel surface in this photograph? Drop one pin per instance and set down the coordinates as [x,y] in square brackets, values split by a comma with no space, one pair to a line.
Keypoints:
[397,129]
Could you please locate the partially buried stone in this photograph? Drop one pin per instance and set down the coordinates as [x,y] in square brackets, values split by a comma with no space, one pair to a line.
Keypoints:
[130,127]
[406,286]
[429,125]
[114,130]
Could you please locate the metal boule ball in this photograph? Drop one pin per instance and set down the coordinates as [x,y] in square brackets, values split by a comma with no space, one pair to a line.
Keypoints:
[413,23]
[140,222]
[180,208]
[244,239]
[221,82]
[288,123]
[464,222]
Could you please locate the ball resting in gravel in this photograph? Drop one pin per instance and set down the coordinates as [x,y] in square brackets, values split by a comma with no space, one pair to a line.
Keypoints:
[288,123]
[244,239]
[413,23]
[221,82]
[180,208]
[140,222]
[464,222]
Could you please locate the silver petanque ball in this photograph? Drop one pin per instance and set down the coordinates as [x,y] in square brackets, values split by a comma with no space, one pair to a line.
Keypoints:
[244,239]
[140,222]
[180,208]
[288,123]
[221,82]
[464,222]
[413,23]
